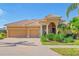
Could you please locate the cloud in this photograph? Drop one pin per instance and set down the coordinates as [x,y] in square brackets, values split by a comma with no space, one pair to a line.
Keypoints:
[1,12]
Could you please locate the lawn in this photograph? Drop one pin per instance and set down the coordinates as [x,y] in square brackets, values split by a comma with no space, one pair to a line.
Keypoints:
[67,51]
[76,42]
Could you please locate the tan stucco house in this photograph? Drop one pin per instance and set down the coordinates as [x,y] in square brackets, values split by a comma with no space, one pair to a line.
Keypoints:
[33,28]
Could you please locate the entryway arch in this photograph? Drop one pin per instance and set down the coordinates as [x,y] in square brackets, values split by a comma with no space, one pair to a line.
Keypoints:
[52,27]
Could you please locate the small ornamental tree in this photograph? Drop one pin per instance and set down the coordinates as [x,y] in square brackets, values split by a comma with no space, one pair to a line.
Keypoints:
[61,28]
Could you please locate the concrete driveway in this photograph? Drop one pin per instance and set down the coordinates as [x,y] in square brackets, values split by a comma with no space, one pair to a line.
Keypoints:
[24,47]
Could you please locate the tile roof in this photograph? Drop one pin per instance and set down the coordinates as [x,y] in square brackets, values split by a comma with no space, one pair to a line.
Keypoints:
[25,23]
[33,22]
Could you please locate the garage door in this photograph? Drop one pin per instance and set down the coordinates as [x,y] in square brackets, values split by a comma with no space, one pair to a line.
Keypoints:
[34,32]
[17,32]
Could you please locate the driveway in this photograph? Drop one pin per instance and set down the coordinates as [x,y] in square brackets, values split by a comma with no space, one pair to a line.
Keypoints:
[24,47]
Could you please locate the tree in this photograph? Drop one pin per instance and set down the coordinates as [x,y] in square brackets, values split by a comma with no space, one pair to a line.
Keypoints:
[72,7]
[74,24]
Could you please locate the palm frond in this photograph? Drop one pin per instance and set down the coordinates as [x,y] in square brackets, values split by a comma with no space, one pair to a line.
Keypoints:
[71,8]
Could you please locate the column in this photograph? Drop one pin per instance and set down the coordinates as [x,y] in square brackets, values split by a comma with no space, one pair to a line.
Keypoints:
[41,30]
[47,29]
[56,29]
[28,33]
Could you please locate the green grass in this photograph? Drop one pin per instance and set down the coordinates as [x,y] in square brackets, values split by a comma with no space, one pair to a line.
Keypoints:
[67,51]
[76,42]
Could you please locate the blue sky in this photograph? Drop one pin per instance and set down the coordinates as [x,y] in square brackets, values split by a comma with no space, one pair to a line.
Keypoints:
[20,11]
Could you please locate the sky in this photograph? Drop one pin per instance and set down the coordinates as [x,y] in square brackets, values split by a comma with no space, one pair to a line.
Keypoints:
[12,12]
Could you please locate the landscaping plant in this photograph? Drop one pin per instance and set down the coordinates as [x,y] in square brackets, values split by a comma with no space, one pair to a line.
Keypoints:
[61,37]
[43,38]
[50,36]
[56,37]
[68,39]
[2,35]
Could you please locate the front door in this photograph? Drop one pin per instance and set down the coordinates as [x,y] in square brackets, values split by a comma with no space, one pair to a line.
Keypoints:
[53,30]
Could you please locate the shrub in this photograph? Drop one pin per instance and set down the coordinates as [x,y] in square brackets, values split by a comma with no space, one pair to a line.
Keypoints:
[43,38]
[59,37]
[56,37]
[62,36]
[50,36]
[68,35]
[68,40]
[2,35]
[74,36]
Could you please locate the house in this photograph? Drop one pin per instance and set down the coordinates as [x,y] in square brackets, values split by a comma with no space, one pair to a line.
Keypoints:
[33,28]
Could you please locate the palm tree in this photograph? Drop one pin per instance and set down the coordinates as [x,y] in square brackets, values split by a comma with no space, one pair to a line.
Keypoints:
[72,7]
